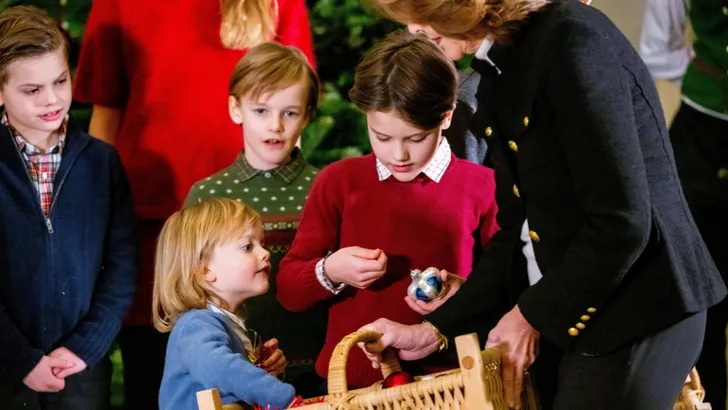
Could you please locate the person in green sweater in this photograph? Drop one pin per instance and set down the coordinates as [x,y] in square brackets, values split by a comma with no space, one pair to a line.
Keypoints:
[273,93]
[699,137]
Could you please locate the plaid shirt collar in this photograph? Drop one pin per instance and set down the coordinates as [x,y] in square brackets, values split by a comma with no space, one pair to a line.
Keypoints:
[287,172]
[434,170]
[30,149]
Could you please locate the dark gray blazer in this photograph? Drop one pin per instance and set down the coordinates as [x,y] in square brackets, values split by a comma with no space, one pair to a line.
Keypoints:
[463,142]
[579,144]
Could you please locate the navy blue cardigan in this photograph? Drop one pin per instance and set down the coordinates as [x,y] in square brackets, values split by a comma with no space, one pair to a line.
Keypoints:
[69,279]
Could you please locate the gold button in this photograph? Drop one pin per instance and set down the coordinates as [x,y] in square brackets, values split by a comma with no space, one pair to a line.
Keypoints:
[534,236]
[516,192]
[591,310]
[488,131]
[725,11]
[585,318]
[581,326]
[573,331]
[525,121]
[513,146]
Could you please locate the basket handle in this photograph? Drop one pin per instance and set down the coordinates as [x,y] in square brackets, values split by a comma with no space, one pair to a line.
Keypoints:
[337,364]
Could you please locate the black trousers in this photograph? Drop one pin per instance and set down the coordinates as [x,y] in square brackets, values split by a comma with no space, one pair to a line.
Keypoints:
[142,352]
[700,143]
[87,390]
[645,375]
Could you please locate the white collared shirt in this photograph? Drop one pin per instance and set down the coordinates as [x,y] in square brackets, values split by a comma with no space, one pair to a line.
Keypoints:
[434,170]
[238,325]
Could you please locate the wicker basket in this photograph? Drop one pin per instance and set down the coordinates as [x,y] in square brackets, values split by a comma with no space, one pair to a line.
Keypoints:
[475,385]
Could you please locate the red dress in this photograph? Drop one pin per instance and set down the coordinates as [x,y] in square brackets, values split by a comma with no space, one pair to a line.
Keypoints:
[162,63]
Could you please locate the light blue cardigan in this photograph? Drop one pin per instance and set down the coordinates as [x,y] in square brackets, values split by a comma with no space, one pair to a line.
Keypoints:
[204,352]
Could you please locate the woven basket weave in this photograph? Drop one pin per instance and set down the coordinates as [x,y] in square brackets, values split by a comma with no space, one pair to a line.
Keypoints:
[476,385]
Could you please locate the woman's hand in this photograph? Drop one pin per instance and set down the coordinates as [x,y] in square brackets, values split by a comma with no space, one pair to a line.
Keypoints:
[412,342]
[276,362]
[452,285]
[518,342]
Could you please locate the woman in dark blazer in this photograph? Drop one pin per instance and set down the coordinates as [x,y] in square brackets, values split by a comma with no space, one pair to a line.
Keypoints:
[597,249]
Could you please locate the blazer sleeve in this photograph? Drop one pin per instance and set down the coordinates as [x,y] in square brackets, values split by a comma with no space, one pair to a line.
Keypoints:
[298,289]
[590,98]
[294,28]
[485,296]
[101,77]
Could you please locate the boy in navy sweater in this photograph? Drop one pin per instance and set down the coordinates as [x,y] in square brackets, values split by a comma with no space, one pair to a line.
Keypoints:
[67,255]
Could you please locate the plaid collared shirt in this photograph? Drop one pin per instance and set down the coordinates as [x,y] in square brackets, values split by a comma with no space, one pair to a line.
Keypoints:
[287,172]
[42,167]
[434,170]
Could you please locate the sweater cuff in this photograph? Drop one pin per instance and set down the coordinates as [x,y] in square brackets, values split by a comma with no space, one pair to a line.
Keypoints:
[27,360]
[91,341]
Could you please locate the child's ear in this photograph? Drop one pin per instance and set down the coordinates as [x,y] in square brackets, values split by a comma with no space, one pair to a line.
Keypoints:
[235,109]
[447,120]
[209,276]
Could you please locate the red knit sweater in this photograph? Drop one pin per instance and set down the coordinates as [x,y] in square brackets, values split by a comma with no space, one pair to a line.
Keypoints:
[417,224]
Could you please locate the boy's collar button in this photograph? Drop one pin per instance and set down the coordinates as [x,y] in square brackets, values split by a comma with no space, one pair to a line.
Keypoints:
[267,174]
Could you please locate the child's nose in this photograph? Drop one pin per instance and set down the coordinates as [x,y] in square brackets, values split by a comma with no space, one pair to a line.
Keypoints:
[50,96]
[276,124]
[400,153]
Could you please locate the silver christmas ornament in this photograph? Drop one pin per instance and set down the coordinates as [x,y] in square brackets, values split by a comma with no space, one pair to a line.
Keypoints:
[426,285]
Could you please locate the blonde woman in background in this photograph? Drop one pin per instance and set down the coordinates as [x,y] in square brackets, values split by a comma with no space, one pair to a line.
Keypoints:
[156,74]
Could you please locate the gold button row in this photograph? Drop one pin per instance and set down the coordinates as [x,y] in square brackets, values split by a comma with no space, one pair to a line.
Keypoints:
[574,331]
[489,130]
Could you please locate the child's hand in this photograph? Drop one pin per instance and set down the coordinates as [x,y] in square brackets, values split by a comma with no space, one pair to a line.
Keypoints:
[276,362]
[355,266]
[452,285]
[42,377]
[67,356]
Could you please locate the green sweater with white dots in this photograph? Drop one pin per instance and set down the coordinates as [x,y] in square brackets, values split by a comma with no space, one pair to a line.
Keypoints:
[278,195]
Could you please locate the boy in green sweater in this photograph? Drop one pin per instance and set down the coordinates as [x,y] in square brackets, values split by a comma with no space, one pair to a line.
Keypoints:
[273,93]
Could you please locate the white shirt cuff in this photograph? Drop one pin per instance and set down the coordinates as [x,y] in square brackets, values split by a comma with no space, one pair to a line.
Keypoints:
[325,281]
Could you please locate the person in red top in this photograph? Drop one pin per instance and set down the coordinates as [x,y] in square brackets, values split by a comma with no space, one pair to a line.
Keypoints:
[156,73]
[370,220]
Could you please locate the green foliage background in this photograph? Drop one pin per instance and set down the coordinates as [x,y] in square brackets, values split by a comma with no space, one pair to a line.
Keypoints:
[343,30]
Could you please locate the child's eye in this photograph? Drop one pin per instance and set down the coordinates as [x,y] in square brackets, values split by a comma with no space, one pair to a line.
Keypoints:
[291,114]
[383,139]
[30,91]
[62,81]
[259,110]
[418,139]
[248,247]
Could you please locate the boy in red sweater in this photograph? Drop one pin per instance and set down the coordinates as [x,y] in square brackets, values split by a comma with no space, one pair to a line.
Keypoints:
[411,204]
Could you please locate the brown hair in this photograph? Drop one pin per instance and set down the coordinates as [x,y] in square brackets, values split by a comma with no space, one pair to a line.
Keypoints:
[409,74]
[247,23]
[27,31]
[184,250]
[271,67]
[463,19]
